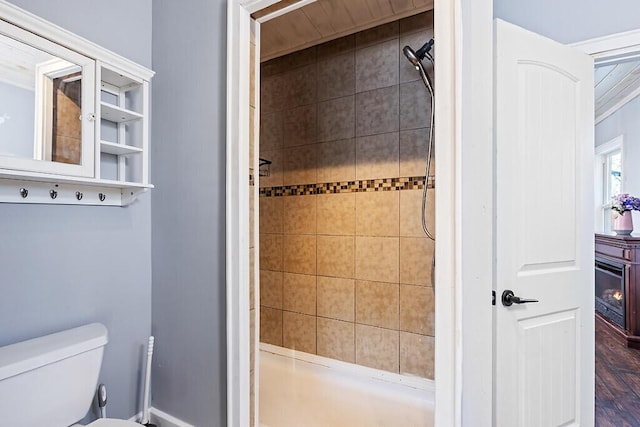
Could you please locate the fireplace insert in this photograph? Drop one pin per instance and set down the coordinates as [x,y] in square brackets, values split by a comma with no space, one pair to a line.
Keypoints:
[610,292]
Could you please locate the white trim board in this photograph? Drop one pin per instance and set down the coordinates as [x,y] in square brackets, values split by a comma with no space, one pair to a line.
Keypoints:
[375,377]
[612,49]
[162,419]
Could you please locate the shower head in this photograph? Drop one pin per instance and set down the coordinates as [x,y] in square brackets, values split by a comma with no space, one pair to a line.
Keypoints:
[415,57]
[411,55]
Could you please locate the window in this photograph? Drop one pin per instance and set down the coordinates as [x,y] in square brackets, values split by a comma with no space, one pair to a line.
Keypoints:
[608,180]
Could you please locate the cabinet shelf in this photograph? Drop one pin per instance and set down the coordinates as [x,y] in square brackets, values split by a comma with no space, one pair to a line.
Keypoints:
[118,149]
[116,114]
[120,80]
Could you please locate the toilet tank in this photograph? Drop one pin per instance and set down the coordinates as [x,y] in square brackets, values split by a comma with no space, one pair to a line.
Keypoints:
[50,381]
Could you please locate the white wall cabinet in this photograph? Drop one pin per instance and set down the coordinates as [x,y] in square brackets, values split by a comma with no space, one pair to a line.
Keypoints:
[74,117]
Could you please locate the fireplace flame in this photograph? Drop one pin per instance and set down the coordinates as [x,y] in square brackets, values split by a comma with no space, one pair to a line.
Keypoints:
[617,295]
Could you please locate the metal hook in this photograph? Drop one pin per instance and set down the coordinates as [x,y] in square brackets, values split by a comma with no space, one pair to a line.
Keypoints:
[102,196]
[24,192]
[79,195]
[53,194]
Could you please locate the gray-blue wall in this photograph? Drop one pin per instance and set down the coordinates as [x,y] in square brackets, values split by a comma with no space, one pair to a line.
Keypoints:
[569,21]
[64,266]
[188,209]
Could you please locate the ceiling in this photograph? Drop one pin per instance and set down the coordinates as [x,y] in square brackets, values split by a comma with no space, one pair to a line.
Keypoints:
[325,20]
[615,85]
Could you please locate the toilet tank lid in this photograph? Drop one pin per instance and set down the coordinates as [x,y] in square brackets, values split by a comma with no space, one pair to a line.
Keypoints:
[34,353]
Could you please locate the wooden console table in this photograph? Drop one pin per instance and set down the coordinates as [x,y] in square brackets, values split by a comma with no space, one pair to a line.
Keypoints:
[624,250]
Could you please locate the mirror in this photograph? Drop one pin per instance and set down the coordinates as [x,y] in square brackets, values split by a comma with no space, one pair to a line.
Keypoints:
[40,104]
[47,101]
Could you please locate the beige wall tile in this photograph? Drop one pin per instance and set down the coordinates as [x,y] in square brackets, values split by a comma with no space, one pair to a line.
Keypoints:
[377,111]
[417,312]
[271,326]
[336,340]
[300,86]
[300,214]
[272,93]
[336,298]
[413,152]
[336,47]
[377,66]
[411,212]
[252,215]
[336,214]
[415,105]
[336,77]
[271,131]
[252,135]
[310,118]
[252,338]
[336,119]
[416,355]
[271,214]
[252,278]
[286,63]
[377,213]
[415,260]
[271,288]
[276,176]
[377,304]
[377,156]
[300,254]
[300,293]
[300,165]
[377,348]
[300,126]
[299,332]
[337,161]
[377,34]
[377,258]
[271,251]
[417,22]
[252,399]
[335,256]
[252,74]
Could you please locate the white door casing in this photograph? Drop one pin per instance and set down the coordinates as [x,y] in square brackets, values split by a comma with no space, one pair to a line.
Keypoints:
[543,360]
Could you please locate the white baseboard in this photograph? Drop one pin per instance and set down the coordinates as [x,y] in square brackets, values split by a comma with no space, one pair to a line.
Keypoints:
[162,419]
[136,418]
[378,377]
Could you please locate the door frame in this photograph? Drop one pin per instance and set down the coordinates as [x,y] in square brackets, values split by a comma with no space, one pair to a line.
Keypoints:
[452,51]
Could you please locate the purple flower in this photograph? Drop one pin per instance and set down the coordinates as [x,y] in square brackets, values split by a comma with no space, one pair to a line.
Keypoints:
[622,203]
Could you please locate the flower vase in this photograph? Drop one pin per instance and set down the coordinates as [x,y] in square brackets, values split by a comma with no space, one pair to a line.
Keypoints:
[622,224]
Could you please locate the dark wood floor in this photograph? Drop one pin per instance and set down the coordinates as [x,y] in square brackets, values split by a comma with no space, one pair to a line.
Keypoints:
[617,380]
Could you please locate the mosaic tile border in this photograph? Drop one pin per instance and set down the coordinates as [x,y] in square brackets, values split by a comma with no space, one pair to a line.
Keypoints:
[360,186]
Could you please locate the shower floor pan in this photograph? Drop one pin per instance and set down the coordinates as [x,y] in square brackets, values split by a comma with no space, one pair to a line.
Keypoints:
[296,393]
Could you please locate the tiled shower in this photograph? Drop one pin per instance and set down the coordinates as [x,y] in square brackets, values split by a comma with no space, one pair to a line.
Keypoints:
[345,267]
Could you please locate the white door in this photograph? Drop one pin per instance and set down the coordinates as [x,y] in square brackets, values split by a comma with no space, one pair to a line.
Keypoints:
[544,351]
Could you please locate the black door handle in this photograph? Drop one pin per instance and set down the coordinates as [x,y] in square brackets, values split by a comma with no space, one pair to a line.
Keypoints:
[508,299]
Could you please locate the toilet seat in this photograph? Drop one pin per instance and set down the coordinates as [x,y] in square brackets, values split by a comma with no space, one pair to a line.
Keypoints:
[112,422]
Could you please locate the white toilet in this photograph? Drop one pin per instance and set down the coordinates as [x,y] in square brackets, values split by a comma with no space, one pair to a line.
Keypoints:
[51,381]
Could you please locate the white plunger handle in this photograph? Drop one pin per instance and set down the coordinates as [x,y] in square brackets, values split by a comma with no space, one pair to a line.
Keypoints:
[147,382]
